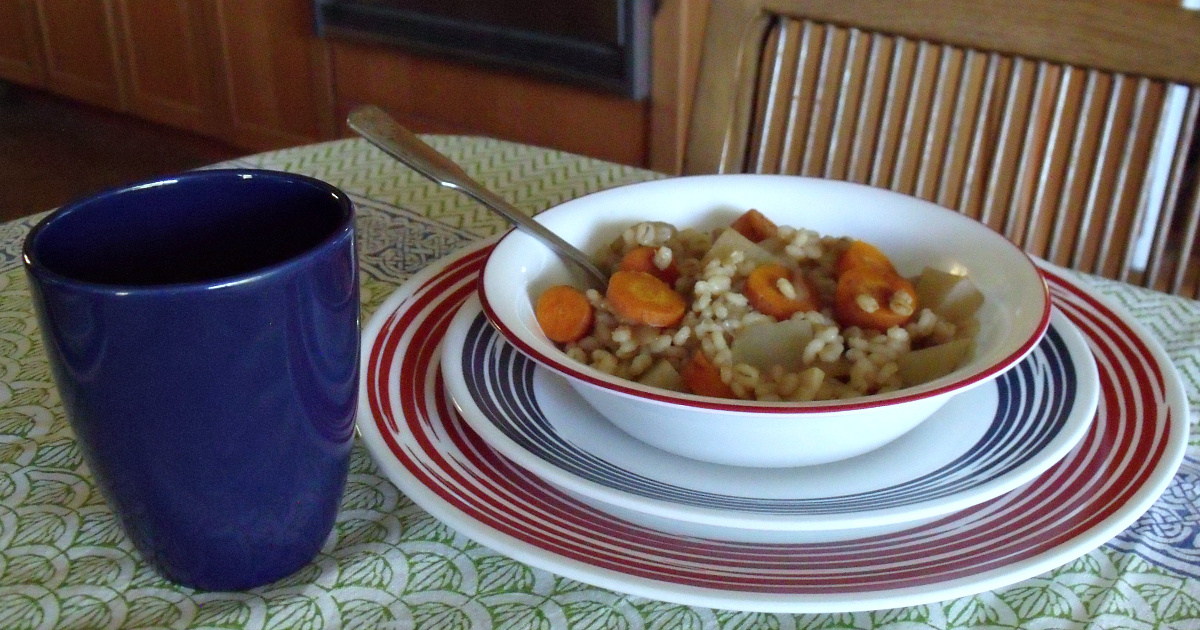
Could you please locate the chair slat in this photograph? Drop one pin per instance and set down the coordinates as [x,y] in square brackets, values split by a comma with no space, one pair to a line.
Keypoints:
[1002,180]
[1186,280]
[971,195]
[1116,224]
[801,113]
[892,122]
[944,89]
[770,105]
[1080,152]
[1063,96]
[849,101]
[870,111]
[1084,240]
[913,120]
[1028,154]
[955,157]
[1164,271]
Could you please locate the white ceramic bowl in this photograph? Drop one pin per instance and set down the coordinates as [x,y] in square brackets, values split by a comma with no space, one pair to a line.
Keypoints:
[914,234]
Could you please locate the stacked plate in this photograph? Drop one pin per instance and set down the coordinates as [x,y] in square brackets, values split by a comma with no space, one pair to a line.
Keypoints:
[1006,481]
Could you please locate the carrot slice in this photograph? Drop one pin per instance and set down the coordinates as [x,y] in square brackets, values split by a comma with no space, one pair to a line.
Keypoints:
[755,226]
[762,290]
[862,253]
[703,378]
[864,298]
[564,313]
[642,259]
[643,298]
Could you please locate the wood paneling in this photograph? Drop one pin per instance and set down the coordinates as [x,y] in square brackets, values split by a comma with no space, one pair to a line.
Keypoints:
[432,95]
[20,51]
[168,61]
[678,31]
[81,50]
[275,73]
[253,73]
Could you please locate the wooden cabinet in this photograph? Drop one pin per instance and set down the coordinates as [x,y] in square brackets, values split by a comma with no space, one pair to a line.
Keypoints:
[678,31]
[20,45]
[146,57]
[275,79]
[80,46]
[254,74]
[436,96]
[249,72]
[168,63]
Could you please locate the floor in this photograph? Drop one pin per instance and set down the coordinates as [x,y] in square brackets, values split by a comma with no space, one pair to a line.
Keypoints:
[53,151]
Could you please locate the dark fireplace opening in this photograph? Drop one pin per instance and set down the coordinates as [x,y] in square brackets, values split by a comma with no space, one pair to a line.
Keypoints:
[603,44]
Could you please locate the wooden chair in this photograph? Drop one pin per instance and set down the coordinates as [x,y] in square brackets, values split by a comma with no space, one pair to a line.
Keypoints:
[1067,125]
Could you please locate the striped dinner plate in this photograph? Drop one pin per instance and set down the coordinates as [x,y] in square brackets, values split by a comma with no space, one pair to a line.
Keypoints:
[980,445]
[422,444]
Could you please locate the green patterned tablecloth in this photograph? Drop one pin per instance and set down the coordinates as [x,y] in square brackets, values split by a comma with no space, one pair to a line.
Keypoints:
[64,562]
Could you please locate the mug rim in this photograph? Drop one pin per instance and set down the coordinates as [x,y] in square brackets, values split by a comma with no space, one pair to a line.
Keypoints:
[34,264]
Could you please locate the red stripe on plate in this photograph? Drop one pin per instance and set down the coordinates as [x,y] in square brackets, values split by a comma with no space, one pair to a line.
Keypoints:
[432,291]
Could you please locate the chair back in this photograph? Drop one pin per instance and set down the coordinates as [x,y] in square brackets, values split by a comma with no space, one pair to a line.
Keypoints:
[1067,125]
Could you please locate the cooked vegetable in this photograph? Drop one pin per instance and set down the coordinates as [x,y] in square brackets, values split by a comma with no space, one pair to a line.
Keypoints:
[968,327]
[862,253]
[642,259]
[869,298]
[664,375]
[926,364]
[773,343]
[951,296]
[643,298]
[775,291]
[731,240]
[754,226]
[703,378]
[564,313]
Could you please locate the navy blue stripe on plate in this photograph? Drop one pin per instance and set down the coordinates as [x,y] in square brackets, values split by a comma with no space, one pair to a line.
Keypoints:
[1036,398]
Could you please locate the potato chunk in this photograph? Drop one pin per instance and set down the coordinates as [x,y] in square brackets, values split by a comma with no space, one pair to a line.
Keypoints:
[773,343]
[662,374]
[951,296]
[926,364]
[730,240]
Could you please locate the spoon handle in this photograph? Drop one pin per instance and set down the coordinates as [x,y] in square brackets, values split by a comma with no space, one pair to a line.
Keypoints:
[384,132]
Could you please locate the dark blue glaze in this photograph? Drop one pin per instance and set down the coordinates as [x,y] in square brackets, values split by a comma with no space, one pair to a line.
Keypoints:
[203,333]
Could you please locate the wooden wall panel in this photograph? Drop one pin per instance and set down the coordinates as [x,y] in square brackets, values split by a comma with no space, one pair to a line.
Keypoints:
[82,54]
[678,30]
[20,50]
[168,62]
[436,96]
[276,81]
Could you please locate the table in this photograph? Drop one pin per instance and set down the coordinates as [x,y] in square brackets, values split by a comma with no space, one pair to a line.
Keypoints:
[64,562]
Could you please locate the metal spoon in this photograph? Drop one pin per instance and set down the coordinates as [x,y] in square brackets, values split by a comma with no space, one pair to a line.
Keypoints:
[384,132]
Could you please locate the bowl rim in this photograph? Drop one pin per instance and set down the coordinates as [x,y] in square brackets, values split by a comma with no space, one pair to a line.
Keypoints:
[580,372]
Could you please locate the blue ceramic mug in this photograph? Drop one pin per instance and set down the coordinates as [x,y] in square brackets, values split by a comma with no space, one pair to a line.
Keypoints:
[203,333]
